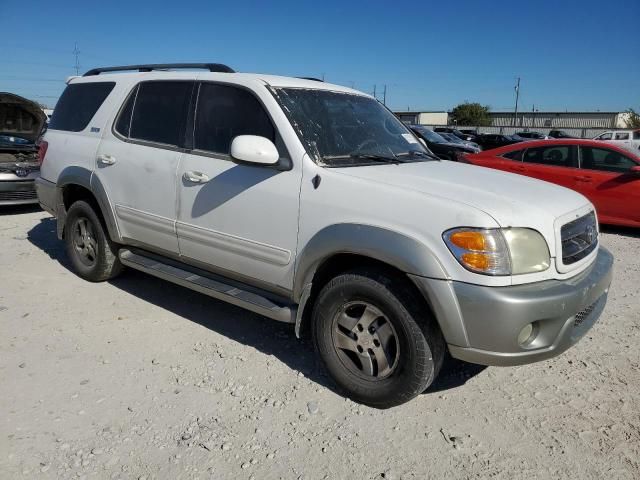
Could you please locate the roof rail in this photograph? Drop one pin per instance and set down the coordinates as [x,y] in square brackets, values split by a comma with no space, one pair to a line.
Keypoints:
[311,78]
[212,67]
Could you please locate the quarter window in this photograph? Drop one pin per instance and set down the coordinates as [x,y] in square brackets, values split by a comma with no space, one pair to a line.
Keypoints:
[78,104]
[622,136]
[555,156]
[605,136]
[123,125]
[605,160]
[224,112]
[160,112]
[515,155]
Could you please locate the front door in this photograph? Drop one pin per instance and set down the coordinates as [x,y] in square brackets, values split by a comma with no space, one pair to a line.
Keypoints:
[240,219]
[553,163]
[137,162]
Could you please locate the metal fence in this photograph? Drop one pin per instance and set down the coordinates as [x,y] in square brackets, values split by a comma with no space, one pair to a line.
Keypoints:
[510,130]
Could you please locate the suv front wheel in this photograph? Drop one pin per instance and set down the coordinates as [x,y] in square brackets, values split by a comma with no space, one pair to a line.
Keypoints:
[93,256]
[375,338]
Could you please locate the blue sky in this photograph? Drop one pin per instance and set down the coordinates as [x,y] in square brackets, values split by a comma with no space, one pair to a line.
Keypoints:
[575,55]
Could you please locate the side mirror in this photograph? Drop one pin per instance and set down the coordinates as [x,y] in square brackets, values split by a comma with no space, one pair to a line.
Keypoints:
[635,171]
[254,149]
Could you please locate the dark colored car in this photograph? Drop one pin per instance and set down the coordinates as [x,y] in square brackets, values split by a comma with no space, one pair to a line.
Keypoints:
[495,140]
[560,134]
[609,176]
[532,135]
[440,146]
[21,124]
[456,132]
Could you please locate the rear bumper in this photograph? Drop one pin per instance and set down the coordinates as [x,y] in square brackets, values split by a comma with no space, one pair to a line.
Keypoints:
[482,324]
[47,195]
[17,192]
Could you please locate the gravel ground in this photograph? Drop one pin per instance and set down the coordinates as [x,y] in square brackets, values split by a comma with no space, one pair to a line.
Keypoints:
[138,378]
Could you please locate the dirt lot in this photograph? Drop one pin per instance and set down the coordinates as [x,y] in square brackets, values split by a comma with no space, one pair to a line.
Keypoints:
[143,379]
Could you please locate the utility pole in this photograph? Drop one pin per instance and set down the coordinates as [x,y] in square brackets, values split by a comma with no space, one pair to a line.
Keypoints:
[515,116]
[76,52]
[384,95]
[374,92]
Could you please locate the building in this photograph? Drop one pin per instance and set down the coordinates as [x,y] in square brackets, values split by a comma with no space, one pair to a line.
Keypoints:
[560,119]
[423,118]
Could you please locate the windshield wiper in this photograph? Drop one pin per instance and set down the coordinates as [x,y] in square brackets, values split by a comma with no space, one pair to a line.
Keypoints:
[417,153]
[366,156]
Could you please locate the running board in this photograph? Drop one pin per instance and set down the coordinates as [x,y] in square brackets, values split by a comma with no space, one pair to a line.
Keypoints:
[209,286]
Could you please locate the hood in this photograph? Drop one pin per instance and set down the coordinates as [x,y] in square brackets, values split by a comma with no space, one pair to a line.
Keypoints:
[20,117]
[510,199]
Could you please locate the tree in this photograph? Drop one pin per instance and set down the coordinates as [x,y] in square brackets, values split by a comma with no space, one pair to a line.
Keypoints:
[471,114]
[633,119]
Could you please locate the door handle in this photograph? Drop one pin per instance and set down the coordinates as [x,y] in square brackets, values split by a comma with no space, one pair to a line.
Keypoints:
[195,177]
[106,159]
[582,179]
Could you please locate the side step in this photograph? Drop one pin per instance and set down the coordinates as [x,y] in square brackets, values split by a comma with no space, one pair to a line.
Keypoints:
[213,287]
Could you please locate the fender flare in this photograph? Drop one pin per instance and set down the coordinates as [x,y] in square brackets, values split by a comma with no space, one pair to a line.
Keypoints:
[84,177]
[403,252]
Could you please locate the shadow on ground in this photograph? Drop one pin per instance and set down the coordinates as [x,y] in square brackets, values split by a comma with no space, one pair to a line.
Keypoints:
[6,210]
[622,231]
[269,337]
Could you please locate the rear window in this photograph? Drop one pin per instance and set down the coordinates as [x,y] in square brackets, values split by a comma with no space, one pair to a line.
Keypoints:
[78,104]
[515,155]
[160,112]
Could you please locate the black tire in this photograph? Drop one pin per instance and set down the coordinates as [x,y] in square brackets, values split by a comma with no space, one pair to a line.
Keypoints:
[93,255]
[408,368]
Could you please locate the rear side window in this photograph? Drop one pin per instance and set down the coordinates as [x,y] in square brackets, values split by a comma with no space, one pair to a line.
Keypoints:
[78,104]
[123,125]
[224,112]
[515,155]
[605,160]
[555,156]
[160,112]
[636,135]
[622,136]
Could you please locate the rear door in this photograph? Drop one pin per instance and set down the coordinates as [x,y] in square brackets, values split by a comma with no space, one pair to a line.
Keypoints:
[553,163]
[609,184]
[137,162]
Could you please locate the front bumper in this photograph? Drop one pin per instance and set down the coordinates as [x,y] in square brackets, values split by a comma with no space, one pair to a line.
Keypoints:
[481,324]
[17,192]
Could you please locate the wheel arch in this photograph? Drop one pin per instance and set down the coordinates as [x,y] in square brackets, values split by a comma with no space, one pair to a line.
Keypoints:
[78,183]
[342,247]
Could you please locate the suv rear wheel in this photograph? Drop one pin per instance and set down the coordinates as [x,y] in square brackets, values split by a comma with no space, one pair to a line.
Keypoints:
[374,338]
[93,256]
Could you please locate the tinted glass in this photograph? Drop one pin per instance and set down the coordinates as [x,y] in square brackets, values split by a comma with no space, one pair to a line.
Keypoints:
[636,135]
[223,113]
[516,155]
[622,136]
[160,112]
[605,136]
[605,160]
[78,104]
[123,124]
[430,135]
[556,156]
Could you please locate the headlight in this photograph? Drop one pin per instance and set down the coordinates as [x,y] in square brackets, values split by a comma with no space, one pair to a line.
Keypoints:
[508,251]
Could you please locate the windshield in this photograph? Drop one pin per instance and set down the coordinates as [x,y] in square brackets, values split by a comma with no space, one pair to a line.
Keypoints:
[452,138]
[431,136]
[343,129]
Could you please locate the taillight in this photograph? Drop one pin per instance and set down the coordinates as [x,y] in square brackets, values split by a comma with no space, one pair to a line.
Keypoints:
[42,151]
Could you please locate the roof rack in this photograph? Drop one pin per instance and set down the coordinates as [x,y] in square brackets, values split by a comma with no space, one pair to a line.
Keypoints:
[212,67]
[311,78]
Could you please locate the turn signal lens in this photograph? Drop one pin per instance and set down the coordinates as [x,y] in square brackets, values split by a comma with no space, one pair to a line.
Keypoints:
[469,240]
[476,261]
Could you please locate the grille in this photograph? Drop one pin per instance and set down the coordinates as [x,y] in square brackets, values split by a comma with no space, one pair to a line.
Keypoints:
[18,195]
[582,315]
[579,238]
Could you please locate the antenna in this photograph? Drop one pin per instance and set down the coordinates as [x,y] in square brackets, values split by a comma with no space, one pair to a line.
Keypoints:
[76,52]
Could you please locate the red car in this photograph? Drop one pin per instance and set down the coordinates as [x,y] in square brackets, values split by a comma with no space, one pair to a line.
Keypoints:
[607,175]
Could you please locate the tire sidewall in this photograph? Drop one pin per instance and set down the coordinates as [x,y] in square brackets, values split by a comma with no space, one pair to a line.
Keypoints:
[415,360]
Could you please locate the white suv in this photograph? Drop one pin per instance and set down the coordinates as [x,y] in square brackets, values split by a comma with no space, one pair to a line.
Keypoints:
[311,204]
